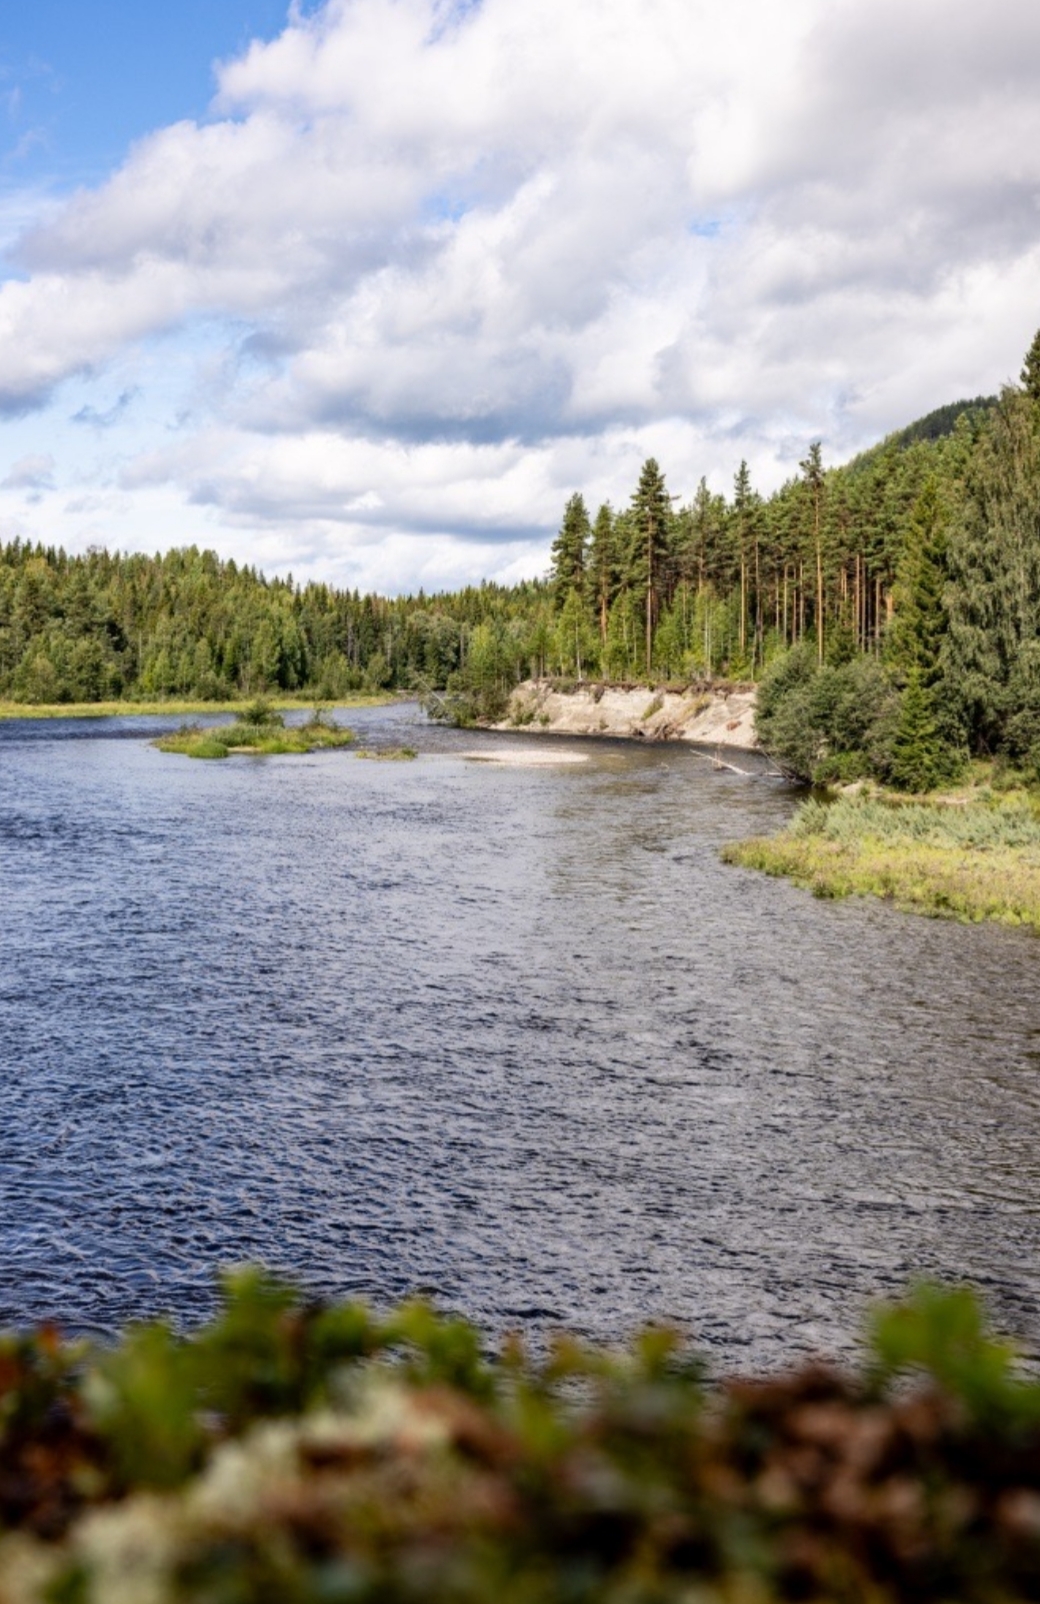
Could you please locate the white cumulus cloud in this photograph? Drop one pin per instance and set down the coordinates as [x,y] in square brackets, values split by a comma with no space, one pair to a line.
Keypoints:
[428,267]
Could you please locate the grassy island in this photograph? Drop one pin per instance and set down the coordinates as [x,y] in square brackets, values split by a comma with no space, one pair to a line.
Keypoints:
[332,1455]
[971,855]
[260,732]
[388,754]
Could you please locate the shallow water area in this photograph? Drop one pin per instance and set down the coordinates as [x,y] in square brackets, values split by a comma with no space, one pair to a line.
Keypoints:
[508,1033]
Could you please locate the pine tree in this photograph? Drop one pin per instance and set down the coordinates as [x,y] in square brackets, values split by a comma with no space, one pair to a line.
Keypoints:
[651,519]
[569,552]
[746,536]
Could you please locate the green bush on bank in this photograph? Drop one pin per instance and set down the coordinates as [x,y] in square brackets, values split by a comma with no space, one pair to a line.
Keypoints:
[301,1453]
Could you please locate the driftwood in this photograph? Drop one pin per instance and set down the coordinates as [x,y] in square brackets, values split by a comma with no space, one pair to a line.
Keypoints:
[719,764]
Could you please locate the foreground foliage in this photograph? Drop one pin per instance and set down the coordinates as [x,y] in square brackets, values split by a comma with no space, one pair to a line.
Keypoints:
[973,859]
[302,1454]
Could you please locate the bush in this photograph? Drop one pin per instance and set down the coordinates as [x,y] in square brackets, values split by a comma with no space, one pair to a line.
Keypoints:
[827,723]
[259,714]
[289,1451]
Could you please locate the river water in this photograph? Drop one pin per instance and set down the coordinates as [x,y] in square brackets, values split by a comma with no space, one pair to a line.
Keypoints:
[511,1036]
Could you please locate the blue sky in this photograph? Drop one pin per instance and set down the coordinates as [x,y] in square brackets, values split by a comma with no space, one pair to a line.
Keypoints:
[366,289]
[81,79]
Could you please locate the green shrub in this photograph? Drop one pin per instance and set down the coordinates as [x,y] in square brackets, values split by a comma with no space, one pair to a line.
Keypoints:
[820,723]
[331,1455]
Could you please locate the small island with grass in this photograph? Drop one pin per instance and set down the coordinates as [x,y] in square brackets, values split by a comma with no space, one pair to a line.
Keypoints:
[259,731]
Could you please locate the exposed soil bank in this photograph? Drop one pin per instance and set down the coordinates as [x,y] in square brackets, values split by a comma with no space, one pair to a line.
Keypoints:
[720,715]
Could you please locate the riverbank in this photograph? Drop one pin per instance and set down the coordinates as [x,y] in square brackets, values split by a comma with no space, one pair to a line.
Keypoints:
[972,855]
[705,715]
[179,707]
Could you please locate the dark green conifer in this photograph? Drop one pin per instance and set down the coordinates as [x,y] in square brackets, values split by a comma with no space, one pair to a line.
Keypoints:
[813,474]
[991,660]
[569,552]
[650,522]
[920,759]
[1031,370]
[602,567]
[914,640]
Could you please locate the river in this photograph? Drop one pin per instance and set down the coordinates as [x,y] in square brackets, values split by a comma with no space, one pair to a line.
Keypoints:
[510,1036]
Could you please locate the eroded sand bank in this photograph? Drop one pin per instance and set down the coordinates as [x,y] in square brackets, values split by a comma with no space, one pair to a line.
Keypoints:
[722,716]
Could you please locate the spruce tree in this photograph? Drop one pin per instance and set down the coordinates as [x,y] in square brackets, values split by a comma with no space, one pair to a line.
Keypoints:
[1031,370]
[602,567]
[991,659]
[914,640]
[569,552]
[920,760]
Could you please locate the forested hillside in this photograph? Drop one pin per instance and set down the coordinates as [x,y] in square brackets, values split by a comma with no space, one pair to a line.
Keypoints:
[892,606]
[186,624]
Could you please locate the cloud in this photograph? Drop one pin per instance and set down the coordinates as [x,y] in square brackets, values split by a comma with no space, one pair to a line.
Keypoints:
[418,237]
[30,473]
[109,416]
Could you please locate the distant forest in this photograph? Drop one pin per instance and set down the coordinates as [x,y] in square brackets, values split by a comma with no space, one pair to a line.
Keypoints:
[915,567]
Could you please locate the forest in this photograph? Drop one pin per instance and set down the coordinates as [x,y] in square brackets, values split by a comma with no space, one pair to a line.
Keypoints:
[889,607]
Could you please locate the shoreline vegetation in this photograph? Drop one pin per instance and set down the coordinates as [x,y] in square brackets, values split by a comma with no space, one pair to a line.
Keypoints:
[971,854]
[180,706]
[296,1451]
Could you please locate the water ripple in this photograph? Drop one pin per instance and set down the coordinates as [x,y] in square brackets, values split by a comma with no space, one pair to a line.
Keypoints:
[513,1036]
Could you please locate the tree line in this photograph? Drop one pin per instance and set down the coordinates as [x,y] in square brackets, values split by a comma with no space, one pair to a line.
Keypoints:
[889,607]
[186,624]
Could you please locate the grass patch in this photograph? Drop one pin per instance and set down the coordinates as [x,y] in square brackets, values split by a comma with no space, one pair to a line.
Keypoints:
[178,707]
[974,858]
[389,754]
[268,738]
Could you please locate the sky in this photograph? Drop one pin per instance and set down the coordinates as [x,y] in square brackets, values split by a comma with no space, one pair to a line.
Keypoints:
[364,290]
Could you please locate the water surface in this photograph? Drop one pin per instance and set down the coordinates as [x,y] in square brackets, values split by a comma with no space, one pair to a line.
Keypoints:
[512,1036]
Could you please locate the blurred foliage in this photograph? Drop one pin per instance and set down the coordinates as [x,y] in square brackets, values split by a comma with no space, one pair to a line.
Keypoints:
[296,1452]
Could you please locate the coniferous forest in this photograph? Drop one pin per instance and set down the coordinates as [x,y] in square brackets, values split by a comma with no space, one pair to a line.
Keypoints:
[889,607]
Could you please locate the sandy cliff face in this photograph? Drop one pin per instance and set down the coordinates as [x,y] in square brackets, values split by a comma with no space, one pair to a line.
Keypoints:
[724,716]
